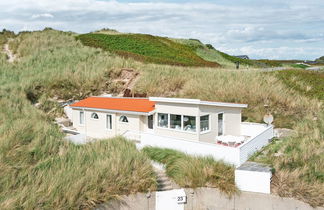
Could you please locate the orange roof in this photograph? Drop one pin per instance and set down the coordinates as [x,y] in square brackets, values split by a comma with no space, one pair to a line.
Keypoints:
[122,104]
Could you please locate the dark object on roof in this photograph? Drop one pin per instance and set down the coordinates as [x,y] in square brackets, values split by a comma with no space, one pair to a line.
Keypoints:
[253,166]
[242,56]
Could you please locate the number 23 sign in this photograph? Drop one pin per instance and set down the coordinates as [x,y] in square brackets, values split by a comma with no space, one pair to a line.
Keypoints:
[181,199]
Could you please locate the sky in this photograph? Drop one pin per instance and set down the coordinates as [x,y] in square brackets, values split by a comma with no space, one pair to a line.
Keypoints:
[272,29]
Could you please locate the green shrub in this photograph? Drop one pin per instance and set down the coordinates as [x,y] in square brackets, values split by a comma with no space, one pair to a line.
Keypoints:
[145,48]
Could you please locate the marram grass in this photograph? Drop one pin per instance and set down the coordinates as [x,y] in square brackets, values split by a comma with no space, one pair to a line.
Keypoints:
[39,170]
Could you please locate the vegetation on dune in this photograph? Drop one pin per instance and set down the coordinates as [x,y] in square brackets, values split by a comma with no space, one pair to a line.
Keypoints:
[54,64]
[39,170]
[209,53]
[252,87]
[145,48]
[320,60]
[278,63]
[309,83]
[298,162]
[300,66]
[5,35]
[190,171]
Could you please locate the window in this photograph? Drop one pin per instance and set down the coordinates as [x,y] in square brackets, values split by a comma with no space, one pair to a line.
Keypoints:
[189,123]
[123,118]
[81,118]
[220,124]
[150,121]
[163,120]
[204,123]
[175,121]
[94,116]
[108,122]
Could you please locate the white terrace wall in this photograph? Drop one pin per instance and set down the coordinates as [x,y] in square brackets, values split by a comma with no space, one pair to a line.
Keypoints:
[261,134]
[253,181]
[227,154]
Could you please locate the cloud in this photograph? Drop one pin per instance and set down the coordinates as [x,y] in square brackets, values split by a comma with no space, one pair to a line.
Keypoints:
[233,26]
[44,15]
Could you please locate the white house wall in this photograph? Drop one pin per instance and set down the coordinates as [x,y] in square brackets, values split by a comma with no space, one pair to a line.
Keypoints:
[134,123]
[232,121]
[96,128]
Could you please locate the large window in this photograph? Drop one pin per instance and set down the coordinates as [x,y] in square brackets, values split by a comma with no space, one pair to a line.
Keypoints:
[81,118]
[163,120]
[204,123]
[220,124]
[189,123]
[177,122]
[108,122]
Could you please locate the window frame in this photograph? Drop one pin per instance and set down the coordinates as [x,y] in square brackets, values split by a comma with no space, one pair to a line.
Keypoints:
[209,124]
[107,122]
[181,121]
[183,126]
[83,118]
[168,121]
[123,121]
[91,116]
[223,122]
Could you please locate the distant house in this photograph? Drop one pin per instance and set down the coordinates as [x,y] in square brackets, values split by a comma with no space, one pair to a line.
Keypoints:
[242,56]
[189,125]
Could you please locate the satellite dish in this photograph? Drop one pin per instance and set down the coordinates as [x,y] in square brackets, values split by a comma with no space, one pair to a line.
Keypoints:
[268,118]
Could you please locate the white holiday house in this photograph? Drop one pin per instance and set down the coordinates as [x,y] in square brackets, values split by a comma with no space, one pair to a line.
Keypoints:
[190,125]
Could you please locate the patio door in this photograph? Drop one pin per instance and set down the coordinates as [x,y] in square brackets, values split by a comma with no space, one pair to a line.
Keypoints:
[150,122]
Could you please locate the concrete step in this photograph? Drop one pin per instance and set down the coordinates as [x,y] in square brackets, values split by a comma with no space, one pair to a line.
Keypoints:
[162,179]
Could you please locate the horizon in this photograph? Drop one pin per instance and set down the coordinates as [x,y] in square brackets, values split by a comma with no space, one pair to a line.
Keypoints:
[262,30]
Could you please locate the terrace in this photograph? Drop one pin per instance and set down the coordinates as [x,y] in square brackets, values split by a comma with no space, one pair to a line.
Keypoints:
[253,137]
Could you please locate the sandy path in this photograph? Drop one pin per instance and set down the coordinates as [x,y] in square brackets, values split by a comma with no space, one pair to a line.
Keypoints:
[10,55]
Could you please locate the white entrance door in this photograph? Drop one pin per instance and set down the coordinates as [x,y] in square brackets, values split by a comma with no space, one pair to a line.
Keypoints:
[170,200]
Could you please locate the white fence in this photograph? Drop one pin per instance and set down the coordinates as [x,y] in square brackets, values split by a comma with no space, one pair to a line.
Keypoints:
[260,135]
[219,152]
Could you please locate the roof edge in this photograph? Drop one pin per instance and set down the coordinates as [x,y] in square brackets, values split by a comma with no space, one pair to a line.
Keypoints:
[112,110]
[196,102]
